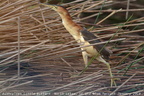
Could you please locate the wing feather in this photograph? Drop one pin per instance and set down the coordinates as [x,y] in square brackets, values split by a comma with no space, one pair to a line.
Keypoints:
[88,36]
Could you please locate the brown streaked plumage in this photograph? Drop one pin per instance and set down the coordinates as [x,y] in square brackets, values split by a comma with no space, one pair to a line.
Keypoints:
[81,35]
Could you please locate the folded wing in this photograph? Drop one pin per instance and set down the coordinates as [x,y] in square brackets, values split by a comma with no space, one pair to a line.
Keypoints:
[92,39]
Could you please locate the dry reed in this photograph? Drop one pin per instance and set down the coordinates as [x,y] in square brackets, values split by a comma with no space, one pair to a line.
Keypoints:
[33,37]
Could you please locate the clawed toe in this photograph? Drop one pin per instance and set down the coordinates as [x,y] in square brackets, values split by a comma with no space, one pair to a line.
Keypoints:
[113,83]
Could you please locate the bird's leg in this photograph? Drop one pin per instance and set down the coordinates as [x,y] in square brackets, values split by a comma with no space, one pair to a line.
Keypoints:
[109,68]
[85,58]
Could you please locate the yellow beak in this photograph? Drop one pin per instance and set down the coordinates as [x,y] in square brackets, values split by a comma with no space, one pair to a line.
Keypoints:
[54,7]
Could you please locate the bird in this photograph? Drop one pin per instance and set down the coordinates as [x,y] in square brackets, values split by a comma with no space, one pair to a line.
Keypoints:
[82,35]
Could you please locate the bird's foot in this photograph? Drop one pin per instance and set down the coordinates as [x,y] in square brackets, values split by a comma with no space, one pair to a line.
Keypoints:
[113,83]
[73,76]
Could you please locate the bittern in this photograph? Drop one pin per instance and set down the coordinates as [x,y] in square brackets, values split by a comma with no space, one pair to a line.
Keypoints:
[81,35]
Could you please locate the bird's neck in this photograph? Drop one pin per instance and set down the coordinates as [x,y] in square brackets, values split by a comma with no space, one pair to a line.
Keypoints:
[66,19]
[71,26]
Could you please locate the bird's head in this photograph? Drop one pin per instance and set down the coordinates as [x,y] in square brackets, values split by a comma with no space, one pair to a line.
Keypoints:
[60,9]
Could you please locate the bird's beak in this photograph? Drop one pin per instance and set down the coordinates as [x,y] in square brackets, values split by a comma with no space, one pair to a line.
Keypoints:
[54,7]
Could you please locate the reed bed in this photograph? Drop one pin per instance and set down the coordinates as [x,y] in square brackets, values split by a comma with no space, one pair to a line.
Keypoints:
[37,54]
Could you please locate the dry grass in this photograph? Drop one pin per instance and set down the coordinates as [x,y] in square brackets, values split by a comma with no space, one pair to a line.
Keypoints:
[32,36]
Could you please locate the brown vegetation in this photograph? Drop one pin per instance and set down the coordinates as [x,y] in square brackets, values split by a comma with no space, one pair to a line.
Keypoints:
[33,36]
